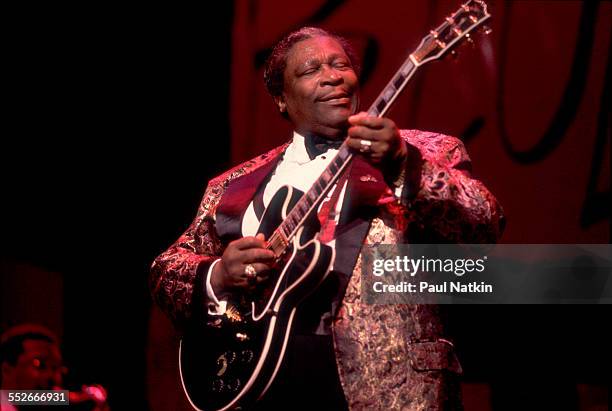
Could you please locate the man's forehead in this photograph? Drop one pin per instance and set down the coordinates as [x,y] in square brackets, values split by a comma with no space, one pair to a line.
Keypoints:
[36,348]
[315,48]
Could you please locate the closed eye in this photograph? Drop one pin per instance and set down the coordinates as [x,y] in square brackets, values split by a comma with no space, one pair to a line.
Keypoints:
[341,64]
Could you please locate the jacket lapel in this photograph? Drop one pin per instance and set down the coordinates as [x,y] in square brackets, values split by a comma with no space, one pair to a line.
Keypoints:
[366,185]
[237,197]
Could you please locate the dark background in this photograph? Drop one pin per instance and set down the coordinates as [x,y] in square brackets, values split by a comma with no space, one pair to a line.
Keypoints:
[105,112]
[114,122]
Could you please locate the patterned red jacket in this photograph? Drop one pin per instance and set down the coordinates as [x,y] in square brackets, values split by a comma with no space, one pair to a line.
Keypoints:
[389,356]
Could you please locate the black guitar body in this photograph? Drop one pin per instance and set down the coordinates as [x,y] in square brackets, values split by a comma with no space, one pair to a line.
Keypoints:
[230,361]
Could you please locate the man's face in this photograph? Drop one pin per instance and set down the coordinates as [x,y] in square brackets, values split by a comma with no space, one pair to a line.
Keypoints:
[320,88]
[39,367]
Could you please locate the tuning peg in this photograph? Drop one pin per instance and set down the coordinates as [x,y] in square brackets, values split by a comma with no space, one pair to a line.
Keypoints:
[487,29]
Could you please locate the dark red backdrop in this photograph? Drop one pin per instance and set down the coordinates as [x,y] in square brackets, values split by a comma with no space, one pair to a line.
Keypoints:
[527,99]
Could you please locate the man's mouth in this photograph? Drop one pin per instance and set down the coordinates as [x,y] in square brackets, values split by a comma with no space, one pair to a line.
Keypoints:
[339,98]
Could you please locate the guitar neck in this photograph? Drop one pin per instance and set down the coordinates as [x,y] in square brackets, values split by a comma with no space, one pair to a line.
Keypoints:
[395,86]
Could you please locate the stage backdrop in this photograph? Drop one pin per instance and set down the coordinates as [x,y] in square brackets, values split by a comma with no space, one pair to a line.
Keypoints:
[530,100]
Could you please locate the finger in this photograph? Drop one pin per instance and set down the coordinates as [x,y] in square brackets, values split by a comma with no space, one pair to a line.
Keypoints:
[358,118]
[262,270]
[376,152]
[367,133]
[248,242]
[254,255]
[356,144]
[370,121]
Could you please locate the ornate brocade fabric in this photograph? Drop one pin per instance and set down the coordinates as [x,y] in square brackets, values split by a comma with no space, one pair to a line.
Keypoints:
[177,272]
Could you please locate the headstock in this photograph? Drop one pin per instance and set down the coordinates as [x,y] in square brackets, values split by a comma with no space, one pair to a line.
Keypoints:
[455,29]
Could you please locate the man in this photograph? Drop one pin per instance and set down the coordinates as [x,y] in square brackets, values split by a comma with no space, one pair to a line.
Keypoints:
[31,359]
[402,187]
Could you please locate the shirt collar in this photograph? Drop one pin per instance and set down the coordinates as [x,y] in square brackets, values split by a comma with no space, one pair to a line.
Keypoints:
[296,152]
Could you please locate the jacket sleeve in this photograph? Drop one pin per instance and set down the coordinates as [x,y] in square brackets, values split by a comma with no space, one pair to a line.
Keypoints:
[445,204]
[177,276]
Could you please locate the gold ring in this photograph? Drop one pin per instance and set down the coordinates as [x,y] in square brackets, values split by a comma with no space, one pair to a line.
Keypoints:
[249,271]
[365,146]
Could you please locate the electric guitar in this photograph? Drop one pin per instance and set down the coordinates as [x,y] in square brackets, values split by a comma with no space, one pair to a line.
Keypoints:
[231,360]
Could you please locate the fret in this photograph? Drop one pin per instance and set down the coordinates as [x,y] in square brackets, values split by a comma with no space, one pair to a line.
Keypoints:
[332,167]
[406,69]
[324,178]
[337,161]
[322,183]
[285,230]
[303,206]
[315,190]
[389,93]
[399,80]
[294,218]
[342,155]
[307,201]
[380,105]
[290,226]
[318,187]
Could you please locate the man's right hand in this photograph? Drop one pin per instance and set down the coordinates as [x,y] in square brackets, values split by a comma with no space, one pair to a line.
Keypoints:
[229,273]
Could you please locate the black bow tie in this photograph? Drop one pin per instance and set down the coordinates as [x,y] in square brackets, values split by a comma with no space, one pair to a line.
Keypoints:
[316,145]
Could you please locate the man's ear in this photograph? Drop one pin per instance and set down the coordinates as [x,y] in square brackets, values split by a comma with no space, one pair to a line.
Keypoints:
[280,103]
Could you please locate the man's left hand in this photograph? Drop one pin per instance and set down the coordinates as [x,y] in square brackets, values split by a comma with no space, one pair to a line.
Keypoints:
[379,141]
